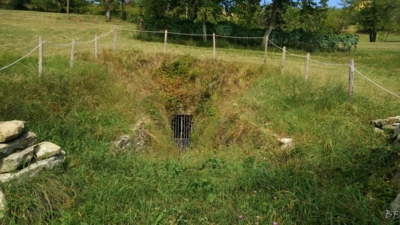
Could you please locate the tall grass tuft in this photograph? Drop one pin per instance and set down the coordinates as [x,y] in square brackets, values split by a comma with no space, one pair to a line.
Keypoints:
[234,172]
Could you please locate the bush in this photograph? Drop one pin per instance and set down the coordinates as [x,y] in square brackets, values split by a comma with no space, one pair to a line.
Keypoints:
[299,39]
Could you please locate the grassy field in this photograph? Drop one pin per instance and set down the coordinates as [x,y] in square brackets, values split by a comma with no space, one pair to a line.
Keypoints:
[235,171]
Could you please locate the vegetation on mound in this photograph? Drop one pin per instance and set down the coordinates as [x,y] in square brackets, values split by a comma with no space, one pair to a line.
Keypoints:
[234,172]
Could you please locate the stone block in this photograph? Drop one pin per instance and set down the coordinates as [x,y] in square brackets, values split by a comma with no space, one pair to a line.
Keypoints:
[11,129]
[13,161]
[23,141]
[34,168]
[46,149]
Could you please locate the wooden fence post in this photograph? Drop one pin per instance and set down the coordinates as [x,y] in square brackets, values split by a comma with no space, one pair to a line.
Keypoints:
[67,9]
[307,63]
[96,50]
[71,63]
[351,79]
[214,51]
[40,56]
[283,60]
[266,50]
[165,41]
[115,39]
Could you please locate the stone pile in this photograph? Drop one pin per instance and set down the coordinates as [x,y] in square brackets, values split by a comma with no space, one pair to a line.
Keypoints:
[389,126]
[20,156]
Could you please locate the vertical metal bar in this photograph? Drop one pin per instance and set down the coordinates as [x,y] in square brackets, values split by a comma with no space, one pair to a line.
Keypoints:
[180,141]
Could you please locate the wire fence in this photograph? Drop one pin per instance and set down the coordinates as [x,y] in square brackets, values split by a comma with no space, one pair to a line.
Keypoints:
[284,52]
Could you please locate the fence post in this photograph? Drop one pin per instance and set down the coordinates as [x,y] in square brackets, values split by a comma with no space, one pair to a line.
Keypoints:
[96,52]
[266,50]
[214,51]
[40,56]
[115,39]
[351,79]
[307,63]
[67,9]
[165,41]
[283,60]
[71,63]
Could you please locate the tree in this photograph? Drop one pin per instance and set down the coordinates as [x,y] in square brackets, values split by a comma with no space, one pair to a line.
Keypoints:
[107,8]
[312,15]
[45,5]
[207,11]
[309,12]
[246,10]
[375,15]
[336,20]
[154,7]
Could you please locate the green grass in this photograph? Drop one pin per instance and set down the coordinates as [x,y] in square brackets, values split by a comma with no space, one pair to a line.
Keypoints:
[336,174]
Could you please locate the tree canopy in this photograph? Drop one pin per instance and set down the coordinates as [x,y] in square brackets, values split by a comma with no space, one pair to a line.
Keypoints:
[300,16]
[375,15]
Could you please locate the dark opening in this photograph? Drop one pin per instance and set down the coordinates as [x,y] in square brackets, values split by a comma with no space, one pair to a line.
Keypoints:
[182,126]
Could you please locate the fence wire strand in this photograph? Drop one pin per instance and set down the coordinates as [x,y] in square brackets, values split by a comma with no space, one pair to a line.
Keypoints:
[103,35]
[328,64]
[365,77]
[5,67]
[222,36]
[233,37]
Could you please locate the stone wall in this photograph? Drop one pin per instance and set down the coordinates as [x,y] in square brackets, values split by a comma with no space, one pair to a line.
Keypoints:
[389,126]
[21,156]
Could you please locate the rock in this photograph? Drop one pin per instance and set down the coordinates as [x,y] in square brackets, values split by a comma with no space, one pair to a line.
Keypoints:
[389,128]
[140,141]
[395,205]
[378,130]
[3,204]
[395,133]
[122,143]
[395,180]
[388,121]
[13,161]
[11,129]
[23,141]
[46,149]
[286,143]
[140,137]
[33,169]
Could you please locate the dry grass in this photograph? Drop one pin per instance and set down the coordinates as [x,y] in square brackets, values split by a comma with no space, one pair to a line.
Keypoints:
[19,37]
[235,151]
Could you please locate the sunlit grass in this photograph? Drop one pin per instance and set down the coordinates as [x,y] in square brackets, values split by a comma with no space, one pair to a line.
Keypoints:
[235,171]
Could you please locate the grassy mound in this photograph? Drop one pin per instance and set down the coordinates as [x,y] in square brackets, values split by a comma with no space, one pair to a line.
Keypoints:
[234,172]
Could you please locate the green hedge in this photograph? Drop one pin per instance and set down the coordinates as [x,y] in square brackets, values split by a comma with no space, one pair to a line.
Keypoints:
[299,39]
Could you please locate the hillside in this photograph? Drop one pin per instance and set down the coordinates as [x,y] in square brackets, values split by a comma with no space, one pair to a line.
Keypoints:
[235,171]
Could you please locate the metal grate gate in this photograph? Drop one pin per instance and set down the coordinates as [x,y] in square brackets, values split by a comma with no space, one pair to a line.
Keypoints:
[182,126]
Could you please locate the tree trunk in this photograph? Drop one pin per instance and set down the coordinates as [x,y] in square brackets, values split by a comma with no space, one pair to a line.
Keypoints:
[387,34]
[195,10]
[123,10]
[204,29]
[107,5]
[372,36]
[273,20]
